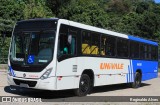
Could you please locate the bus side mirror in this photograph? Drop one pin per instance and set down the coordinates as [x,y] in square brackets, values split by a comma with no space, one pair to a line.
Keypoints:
[69,39]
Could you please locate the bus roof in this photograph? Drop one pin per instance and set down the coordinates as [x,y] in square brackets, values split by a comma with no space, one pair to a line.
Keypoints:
[142,40]
[130,37]
[84,26]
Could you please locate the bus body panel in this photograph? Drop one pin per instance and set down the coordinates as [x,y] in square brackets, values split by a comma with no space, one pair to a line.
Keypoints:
[149,69]
[67,82]
[99,66]
[103,74]
[47,84]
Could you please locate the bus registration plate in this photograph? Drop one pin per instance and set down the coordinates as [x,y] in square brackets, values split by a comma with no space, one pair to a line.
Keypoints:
[24,85]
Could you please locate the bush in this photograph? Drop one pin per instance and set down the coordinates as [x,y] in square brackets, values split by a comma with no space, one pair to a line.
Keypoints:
[4,48]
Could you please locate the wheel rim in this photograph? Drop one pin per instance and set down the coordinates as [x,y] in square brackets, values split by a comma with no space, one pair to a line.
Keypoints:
[84,85]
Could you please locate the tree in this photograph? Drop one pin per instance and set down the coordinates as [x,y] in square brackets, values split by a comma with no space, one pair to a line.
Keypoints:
[14,10]
[9,11]
[88,12]
[118,6]
[36,9]
[55,5]
[129,24]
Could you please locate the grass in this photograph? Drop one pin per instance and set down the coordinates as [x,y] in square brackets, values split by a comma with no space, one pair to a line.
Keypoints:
[158,69]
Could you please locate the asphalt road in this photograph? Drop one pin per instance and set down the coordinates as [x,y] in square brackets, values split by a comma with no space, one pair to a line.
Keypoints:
[148,88]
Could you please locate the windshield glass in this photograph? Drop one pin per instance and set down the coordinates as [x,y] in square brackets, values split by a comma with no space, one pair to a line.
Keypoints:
[32,48]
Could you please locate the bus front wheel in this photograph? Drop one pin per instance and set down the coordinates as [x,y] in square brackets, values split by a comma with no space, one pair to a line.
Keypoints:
[137,80]
[84,85]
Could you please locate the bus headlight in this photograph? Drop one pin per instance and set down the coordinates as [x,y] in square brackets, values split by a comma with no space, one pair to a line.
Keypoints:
[46,74]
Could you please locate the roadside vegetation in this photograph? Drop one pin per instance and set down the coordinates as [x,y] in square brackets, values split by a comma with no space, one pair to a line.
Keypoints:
[133,17]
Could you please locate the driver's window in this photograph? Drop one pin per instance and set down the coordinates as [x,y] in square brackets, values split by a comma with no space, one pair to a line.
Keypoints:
[64,45]
[67,41]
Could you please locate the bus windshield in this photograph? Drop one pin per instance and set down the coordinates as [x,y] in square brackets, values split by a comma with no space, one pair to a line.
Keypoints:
[32,48]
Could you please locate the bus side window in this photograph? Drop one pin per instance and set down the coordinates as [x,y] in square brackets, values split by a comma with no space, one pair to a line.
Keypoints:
[95,43]
[63,45]
[134,50]
[67,40]
[110,46]
[103,45]
[154,53]
[86,41]
[142,51]
[73,44]
[66,47]
[63,48]
[122,47]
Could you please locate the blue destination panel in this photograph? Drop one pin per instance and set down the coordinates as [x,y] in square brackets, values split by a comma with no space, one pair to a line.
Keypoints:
[142,40]
[149,68]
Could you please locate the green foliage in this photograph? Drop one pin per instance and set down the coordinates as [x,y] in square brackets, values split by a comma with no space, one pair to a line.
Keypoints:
[128,25]
[4,49]
[36,9]
[11,9]
[14,10]
[55,5]
[118,6]
[133,17]
[88,12]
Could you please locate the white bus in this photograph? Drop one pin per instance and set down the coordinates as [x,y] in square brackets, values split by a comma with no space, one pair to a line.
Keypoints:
[58,54]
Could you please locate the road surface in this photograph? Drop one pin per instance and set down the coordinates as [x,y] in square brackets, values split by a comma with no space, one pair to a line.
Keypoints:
[148,88]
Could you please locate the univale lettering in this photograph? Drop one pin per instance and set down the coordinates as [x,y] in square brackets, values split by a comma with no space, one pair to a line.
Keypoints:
[113,66]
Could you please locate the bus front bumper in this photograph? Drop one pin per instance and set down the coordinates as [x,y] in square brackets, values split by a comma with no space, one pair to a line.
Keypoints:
[46,84]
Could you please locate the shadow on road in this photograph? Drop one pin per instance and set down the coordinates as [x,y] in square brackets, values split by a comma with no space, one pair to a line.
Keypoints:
[109,88]
[44,94]
[63,93]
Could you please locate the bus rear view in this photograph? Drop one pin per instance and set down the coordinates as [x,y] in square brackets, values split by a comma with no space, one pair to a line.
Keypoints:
[31,54]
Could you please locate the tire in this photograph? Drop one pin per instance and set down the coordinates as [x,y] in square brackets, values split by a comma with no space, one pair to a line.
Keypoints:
[84,86]
[137,80]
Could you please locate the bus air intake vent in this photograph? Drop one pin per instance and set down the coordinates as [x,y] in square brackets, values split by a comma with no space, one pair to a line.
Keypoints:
[30,83]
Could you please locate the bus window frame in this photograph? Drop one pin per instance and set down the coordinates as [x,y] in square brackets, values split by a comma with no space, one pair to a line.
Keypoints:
[123,57]
[61,57]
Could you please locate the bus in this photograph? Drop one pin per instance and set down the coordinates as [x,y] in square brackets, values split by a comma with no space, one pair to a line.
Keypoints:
[58,54]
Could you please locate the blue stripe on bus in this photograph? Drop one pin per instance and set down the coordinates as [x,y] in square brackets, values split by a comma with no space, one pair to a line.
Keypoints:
[142,40]
[12,72]
[131,71]
[128,75]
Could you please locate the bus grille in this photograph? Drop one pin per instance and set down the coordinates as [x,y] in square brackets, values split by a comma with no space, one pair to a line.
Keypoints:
[30,83]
